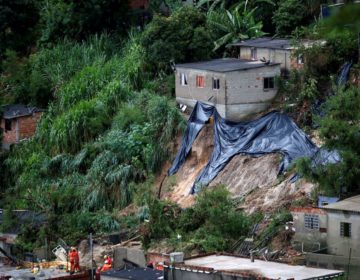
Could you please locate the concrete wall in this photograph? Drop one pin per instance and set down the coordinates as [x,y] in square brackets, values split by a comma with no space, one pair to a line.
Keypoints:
[306,239]
[284,57]
[21,128]
[132,254]
[335,262]
[241,93]
[339,245]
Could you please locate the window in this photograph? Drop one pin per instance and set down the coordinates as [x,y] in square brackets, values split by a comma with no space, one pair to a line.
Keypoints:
[7,125]
[300,59]
[200,81]
[345,229]
[269,83]
[311,221]
[253,54]
[216,83]
[183,79]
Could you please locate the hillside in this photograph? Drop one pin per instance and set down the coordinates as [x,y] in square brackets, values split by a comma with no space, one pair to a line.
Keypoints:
[110,125]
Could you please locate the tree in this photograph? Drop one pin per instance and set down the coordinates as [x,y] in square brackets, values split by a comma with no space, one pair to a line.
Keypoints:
[234,25]
[78,19]
[340,131]
[289,15]
[18,19]
[181,37]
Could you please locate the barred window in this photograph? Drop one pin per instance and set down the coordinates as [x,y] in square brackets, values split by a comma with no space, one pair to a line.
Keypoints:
[269,83]
[345,229]
[311,221]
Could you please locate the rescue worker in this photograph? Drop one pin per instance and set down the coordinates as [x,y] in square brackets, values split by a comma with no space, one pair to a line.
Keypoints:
[74,260]
[107,263]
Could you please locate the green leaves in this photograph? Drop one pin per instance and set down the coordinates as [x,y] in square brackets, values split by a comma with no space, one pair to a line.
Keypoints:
[233,25]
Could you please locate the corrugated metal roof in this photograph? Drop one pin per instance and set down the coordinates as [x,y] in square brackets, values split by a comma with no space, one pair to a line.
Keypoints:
[349,204]
[225,65]
[18,110]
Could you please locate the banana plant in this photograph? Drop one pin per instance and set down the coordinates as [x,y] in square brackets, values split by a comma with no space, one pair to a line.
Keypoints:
[234,25]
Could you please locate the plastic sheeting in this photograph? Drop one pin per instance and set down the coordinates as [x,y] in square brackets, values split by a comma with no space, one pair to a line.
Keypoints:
[274,132]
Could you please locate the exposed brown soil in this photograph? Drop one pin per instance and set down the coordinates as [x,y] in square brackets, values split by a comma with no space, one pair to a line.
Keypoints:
[252,178]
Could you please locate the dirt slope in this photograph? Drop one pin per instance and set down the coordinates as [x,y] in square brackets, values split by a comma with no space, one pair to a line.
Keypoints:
[253,180]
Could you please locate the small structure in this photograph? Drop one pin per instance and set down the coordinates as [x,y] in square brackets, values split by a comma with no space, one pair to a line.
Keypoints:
[18,122]
[226,267]
[236,87]
[275,50]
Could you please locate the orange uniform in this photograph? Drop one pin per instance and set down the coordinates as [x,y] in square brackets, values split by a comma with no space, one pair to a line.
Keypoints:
[74,261]
[107,265]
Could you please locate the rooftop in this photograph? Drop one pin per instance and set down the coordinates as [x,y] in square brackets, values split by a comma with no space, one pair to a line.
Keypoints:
[134,274]
[272,43]
[272,270]
[266,42]
[225,65]
[18,110]
[349,204]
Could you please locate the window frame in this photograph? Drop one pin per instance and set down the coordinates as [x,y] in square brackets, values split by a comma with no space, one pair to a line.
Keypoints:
[253,53]
[200,81]
[312,221]
[216,83]
[300,59]
[268,82]
[8,125]
[345,231]
[183,79]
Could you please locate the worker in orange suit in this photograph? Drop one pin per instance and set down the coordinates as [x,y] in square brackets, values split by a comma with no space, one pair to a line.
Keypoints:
[107,263]
[74,260]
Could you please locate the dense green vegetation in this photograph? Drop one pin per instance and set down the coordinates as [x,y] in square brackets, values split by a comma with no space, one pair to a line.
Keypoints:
[111,121]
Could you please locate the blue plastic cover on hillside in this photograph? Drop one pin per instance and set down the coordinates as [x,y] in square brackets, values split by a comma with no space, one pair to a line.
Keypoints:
[274,132]
[199,116]
[343,76]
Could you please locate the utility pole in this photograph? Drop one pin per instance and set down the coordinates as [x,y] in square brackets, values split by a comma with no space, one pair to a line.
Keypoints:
[348,267]
[92,257]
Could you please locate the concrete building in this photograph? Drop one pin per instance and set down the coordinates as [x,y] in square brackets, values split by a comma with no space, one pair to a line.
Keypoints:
[276,50]
[228,267]
[18,122]
[330,236]
[236,87]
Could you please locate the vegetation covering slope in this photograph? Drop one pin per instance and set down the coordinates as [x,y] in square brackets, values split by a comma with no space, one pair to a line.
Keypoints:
[111,120]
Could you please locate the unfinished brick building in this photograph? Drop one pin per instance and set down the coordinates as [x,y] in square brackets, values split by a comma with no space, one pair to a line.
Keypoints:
[18,122]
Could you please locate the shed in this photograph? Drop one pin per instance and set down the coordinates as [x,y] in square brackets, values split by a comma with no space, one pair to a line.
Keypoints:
[236,87]
[18,122]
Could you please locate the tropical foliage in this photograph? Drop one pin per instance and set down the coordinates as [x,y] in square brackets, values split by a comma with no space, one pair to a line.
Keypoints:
[234,25]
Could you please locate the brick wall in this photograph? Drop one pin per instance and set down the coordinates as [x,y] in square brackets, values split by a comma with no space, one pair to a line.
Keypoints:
[139,4]
[26,126]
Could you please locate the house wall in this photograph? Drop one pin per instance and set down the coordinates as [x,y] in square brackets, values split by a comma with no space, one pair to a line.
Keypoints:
[351,267]
[139,4]
[339,245]
[241,92]
[284,57]
[21,128]
[307,239]
[190,94]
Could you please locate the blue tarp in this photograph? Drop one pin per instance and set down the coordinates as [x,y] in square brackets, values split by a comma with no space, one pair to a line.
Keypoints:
[274,132]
